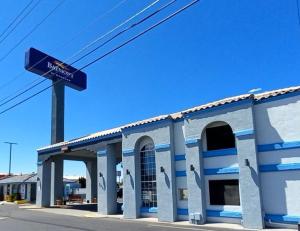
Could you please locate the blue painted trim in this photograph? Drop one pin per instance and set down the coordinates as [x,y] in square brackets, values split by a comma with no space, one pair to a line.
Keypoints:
[220,152]
[167,120]
[101,153]
[217,171]
[217,108]
[246,132]
[180,157]
[148,210]
[162,147]
[223,213]
[278,97]
[279,167]
[278,146]
[286,219]
[82,143]
[182,211]
[180,173]
[192,141]
[128,152]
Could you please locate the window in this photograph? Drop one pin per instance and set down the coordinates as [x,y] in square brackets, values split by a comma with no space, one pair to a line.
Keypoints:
[148,176]
[183,194]
[220,137]
[224,192]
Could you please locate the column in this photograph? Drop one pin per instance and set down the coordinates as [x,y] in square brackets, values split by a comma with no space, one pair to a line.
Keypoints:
[249,181]
[4,190]
[107,193]
[166,187]
[28,192]
[131,201]
[195,180]
[91,180]
[57,184]
[43,183]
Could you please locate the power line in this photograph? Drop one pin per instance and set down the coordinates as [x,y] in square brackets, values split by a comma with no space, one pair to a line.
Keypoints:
[22,19]
[57,47]
[102,36]
[32,30]
[125,30]
[16,18]
[110,52]
[115,28]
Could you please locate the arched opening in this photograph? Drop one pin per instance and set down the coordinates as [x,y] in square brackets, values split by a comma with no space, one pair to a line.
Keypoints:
[218,135]
[148,175]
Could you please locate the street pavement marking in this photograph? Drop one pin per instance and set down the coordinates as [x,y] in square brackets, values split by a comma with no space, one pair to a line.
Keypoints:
[2,218]
[177,227]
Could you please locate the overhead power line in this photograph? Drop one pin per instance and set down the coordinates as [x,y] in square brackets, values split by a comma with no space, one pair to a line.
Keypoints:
[16,18]
[125,30]
[21,92]
[56,48]
[115,28]
[19,22]
[110,52]
[32,30]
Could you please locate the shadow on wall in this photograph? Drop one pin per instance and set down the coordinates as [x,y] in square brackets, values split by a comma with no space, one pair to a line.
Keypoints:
[273,183]
[167,180]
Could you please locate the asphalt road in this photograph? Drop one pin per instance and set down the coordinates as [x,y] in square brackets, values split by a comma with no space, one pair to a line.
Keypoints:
[13,218]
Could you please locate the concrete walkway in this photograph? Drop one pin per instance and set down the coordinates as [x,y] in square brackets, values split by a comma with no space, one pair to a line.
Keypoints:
[89,214]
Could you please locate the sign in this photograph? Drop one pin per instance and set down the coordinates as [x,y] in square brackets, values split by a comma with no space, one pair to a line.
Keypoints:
[54,69]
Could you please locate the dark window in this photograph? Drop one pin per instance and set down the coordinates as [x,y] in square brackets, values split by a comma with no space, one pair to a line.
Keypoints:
[148,177]
[220,137]
[224,192]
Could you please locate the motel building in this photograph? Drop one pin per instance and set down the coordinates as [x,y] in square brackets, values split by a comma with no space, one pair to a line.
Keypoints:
[236,160]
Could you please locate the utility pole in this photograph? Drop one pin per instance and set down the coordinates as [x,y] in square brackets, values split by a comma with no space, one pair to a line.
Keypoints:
[10,151]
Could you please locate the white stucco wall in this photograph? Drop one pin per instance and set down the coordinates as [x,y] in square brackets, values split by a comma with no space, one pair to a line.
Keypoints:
[280,191]
[278,121]
[179,138]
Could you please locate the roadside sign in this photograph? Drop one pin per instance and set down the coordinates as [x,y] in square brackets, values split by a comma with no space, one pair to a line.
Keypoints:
[54,69]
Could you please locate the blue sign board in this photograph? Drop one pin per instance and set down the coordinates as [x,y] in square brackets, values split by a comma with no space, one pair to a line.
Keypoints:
[43,64]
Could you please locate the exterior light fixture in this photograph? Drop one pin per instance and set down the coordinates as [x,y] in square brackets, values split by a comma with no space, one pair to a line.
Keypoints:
[100,174]
[192,168]
[247,163]
[127,172]
[162,169]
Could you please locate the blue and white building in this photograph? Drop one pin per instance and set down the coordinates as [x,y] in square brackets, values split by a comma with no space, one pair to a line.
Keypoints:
[236,160]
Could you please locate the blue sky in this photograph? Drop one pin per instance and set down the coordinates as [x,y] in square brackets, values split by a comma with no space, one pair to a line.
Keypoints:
[213,50]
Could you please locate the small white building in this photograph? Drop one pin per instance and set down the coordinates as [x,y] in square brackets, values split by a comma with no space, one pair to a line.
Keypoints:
[24,185]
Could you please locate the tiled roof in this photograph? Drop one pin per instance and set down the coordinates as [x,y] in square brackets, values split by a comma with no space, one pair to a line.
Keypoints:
[178,115]
[278,92]
[218,103]
[84,138]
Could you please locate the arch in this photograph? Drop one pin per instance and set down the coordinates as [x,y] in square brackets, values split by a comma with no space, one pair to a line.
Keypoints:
[146,152]
[218,135]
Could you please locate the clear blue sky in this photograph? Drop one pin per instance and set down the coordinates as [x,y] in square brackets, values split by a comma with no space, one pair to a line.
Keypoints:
[213,50]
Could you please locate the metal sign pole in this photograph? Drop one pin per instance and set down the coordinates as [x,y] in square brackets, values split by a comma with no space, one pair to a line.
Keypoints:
[58,111]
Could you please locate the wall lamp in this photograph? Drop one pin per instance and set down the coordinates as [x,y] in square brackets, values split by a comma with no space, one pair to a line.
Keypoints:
[127,172]
[247,163]
[100,174]
[192,168]
[162,169]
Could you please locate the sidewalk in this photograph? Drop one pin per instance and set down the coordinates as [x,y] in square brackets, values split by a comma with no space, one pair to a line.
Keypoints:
[89,214]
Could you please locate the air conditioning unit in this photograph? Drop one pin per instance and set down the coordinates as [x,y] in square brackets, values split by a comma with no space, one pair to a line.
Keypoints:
[195,218]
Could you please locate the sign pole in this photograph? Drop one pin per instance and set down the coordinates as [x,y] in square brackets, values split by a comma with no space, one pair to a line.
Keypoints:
[58,111]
